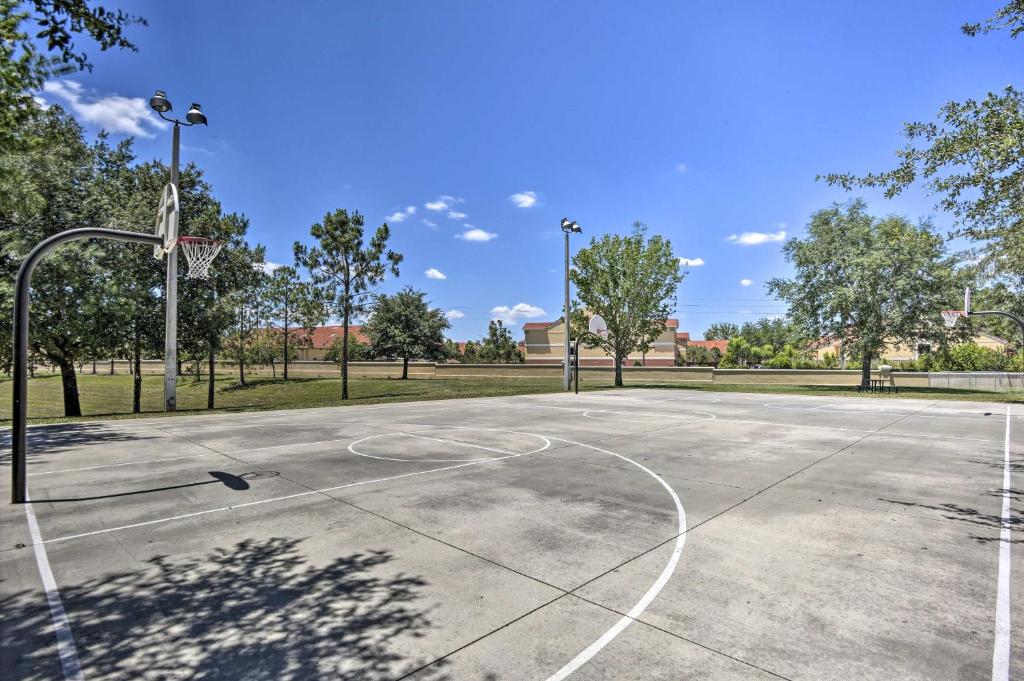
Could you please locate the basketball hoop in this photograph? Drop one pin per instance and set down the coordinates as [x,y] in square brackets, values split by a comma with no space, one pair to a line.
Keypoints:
[949,317]
[199,252]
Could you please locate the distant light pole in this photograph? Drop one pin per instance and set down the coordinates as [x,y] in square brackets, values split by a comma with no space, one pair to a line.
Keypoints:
[195,116]
[568,227]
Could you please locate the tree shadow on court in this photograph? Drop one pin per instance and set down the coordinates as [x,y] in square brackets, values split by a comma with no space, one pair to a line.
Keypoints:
[972,516]
[64,437]
[258,610]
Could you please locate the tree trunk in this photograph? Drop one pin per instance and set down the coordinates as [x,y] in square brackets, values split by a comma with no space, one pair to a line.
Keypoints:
[273,368]
[286,332]
[344,351]
[618,372]
[405,368]
[241,347]
[209,389]
[69,383]
[94,366]
[111,366]
[179,365]
[137,379]
[865,369]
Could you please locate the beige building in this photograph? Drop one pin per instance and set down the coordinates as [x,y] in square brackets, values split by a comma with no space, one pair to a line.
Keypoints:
[899,352]
[545,344]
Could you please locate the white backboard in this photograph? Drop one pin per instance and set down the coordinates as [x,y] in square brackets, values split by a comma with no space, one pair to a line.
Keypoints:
[167,220]
[598,326]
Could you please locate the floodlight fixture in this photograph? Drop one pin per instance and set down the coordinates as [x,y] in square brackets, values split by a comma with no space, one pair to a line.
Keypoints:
[159,102]
[195,115]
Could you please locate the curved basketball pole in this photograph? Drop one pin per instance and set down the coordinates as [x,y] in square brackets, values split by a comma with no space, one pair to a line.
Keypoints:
[1000,313]
[19,424]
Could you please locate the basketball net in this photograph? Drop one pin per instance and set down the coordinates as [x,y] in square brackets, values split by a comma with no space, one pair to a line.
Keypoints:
[199,253]
[950,317]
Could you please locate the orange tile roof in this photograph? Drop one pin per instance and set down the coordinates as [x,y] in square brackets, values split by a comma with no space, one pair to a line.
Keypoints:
[323,337]
[722,345]
[683,335]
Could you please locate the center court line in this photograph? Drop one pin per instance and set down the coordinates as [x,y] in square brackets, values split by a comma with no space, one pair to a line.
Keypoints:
[1001,648]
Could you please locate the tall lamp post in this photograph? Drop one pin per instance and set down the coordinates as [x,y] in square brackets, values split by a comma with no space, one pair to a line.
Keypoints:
[195,116]
[568,227]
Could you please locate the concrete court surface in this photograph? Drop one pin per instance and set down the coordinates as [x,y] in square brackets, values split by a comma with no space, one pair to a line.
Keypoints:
[634,534]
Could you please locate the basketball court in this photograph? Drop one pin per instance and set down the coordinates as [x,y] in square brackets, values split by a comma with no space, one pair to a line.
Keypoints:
[640,534]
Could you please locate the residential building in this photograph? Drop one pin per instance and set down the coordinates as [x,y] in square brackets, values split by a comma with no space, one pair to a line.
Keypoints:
[314,343]
[545,344]
[902,352]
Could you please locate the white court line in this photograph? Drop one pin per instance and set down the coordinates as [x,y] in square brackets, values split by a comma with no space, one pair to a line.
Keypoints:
[67,652]
[1001,649]
[594,648]
[547,444]
[126,463]
[352,449]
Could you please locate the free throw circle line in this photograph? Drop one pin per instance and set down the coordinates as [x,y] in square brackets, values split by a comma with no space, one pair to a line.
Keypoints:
[505,454]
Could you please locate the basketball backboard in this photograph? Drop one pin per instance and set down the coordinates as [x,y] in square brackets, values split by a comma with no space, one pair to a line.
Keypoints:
[598,326]
[167,220]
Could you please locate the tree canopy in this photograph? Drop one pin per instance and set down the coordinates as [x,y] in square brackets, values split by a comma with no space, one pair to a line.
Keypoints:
[631,282]
[867,281]
[404,325]
[972,159]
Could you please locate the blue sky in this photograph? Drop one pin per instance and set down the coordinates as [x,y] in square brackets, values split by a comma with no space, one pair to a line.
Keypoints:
[476,126]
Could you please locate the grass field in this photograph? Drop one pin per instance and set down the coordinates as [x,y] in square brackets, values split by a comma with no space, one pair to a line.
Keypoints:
[111,396]
[106,396]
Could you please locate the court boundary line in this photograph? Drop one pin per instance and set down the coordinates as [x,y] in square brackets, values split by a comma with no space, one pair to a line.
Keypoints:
[1001,644]
[67,651]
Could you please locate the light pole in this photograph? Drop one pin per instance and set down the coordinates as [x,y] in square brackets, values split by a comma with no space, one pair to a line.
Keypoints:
[159,103]
[568,227]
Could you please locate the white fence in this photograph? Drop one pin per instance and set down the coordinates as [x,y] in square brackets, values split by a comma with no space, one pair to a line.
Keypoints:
[992,381]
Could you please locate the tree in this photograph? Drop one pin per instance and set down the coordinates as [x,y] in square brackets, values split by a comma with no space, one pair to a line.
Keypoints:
[775,332]
[721,331]
[631,282]
[499,347]
[867,281]
[972,159]
[59,176]
[470,353]
[357,351]
[343,270]
[292,310]
[404,325]
[700,356]
[23,69]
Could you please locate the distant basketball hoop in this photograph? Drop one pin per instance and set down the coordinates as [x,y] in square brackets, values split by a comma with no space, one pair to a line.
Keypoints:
[950,317]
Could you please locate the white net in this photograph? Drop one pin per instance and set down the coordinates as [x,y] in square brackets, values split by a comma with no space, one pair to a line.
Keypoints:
[950,317]
[199,253]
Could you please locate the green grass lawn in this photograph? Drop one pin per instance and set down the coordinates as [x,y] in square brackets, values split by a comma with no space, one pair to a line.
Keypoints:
[105,396]
[111,396]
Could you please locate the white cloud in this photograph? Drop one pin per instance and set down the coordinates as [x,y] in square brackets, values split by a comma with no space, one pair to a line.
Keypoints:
[456,215]
[113,113]
[434,273]
[524,199]
[691,262]
[517,311]
[454,314]
[757,238]
[429,223]
[443,202]
[401,215]
[269,267]
[680,167]
[476,234]
[746,282]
